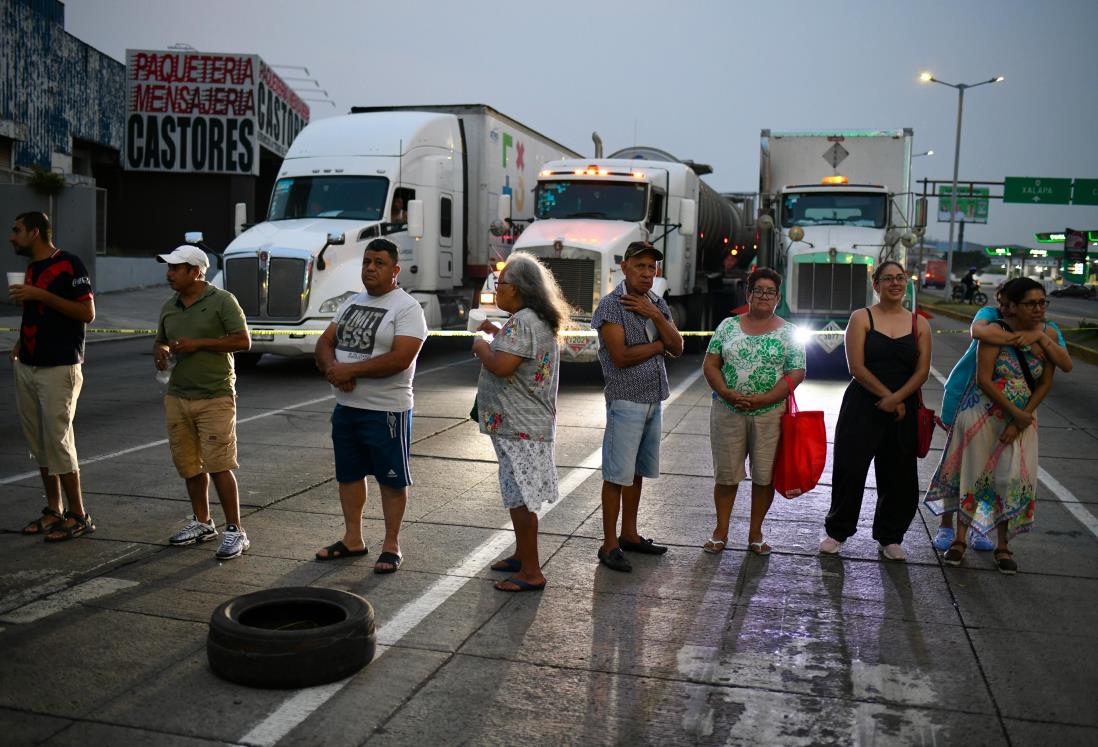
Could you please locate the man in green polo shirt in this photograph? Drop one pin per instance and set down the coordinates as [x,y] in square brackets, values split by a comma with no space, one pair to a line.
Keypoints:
[200,328]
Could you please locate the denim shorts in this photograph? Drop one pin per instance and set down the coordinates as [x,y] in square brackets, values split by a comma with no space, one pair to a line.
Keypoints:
[631,443]
[372,442]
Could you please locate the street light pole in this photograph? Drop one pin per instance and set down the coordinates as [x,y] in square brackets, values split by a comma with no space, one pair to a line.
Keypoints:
[953,194]
[961,88]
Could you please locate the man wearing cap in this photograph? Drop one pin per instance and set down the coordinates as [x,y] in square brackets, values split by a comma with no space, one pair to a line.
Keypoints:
[56,296]
[202,326]
[635,332]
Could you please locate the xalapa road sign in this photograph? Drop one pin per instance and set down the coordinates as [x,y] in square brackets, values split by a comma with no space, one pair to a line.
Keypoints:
[1037,190]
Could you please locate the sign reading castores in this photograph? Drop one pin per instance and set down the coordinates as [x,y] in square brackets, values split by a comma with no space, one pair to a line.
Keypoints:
[190,111]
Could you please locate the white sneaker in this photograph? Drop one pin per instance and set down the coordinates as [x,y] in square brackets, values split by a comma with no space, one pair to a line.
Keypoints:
[194,531]
[830,546]
[234,543]
[893,552]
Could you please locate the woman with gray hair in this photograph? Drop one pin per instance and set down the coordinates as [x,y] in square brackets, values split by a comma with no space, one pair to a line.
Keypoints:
[517,405]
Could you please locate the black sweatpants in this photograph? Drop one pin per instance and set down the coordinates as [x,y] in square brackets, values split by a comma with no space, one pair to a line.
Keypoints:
[864,434]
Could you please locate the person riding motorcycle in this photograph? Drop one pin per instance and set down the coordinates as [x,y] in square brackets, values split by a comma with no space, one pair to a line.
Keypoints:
[970,284]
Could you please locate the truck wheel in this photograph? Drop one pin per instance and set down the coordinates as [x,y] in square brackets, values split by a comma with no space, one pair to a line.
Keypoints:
[246,360]
[291,637]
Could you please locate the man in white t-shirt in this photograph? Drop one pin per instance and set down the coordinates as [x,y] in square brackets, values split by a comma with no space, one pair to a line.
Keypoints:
[368,354]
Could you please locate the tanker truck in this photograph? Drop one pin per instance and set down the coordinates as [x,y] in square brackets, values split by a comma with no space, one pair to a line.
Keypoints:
[834,205]
[426,177]
[587,211]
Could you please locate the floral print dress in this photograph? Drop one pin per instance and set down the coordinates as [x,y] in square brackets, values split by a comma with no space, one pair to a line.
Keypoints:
[985,481]
[519,411]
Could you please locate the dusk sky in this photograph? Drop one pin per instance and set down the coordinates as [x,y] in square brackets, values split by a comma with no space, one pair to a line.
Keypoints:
[698,79]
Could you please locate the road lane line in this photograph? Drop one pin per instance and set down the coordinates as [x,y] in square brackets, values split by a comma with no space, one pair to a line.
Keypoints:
[301,705]
[1073,505]
[240,421]
[90,589]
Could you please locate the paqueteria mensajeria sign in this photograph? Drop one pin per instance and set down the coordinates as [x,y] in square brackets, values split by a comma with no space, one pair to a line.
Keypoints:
[201,112]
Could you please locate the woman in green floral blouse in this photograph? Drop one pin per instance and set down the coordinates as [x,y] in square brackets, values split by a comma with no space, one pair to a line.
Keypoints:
[751,363]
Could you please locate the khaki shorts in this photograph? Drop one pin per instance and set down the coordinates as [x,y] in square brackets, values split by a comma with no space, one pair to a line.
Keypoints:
[734,437]
[46,398]
[201,434]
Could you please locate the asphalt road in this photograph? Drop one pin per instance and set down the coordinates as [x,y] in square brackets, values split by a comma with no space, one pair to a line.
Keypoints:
[103,639]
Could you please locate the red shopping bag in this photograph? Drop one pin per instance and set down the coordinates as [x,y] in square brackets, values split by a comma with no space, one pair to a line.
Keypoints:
[802,450]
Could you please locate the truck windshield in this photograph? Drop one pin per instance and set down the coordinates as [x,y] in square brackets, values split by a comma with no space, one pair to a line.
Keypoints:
[348,197]
[867,209]
[592,199]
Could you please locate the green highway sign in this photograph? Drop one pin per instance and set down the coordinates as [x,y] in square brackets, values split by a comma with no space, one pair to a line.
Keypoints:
[1086,193]
[1037,190]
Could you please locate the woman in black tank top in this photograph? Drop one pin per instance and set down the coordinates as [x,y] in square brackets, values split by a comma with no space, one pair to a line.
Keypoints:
[877,419]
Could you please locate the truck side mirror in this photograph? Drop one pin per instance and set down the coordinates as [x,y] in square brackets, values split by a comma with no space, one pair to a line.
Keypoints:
[920,212]
[504,208]
[415,219]
[194,237]
[240,217]
[688,217]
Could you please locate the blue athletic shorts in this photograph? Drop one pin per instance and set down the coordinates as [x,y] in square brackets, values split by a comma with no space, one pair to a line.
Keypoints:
[631,442]
[371,442]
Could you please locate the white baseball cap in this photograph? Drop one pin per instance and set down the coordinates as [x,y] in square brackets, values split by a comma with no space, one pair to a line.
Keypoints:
[186,254]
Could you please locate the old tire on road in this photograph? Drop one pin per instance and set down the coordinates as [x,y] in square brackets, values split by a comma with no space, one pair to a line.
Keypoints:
[291,637]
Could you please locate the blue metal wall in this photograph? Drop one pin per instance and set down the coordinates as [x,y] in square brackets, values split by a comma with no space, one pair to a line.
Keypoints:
[55,84]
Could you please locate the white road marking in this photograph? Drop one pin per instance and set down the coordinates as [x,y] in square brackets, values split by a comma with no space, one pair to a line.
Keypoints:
[240,421]
[90,589]
[1073,505]
[302,704]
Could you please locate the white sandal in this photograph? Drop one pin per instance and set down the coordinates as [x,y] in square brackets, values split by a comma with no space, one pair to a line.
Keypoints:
[714,546]
[759,548]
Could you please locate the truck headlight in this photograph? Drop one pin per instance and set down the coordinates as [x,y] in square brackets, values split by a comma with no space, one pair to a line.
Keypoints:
[802,335]
[487,298]
[332,305]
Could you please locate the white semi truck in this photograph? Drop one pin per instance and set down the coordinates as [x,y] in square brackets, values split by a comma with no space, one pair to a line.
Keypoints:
[588,210]
[834,205]
[429,178]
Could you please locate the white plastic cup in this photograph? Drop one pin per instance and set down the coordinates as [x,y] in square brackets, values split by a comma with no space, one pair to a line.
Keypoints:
[16,278]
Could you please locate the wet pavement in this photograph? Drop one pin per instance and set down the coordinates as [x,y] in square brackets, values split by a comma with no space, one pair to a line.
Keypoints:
[103,638]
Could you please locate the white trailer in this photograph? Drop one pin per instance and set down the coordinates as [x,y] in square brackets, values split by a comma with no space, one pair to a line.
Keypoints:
[840,203]
[429,178]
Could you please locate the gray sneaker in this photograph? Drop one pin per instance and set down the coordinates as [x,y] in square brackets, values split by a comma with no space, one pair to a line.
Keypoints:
[234,543]
[194,531]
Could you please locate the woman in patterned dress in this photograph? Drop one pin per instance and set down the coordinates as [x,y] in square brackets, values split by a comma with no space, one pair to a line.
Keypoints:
[517,405]
[988,472]
[751,364]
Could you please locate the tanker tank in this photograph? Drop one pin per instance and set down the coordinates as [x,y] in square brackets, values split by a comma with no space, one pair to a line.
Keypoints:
[721,225]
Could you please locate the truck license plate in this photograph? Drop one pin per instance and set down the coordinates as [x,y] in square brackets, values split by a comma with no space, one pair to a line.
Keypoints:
[260,335]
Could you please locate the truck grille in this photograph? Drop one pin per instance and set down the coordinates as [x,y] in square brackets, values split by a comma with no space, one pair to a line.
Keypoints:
[838,288]
[576,278]
[277,291]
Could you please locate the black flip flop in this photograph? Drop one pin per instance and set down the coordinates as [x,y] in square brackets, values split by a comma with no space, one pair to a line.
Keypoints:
[390,558]
[507,565]
[339,547]
[522,585]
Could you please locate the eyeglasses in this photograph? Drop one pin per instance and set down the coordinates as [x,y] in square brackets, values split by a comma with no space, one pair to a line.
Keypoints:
[887,279]
[764,292]
[1039,303]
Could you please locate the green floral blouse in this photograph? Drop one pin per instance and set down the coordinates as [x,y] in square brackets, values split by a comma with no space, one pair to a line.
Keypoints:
[753,364]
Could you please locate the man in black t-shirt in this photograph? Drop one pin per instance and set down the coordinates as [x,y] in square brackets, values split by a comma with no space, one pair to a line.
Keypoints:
[56,297]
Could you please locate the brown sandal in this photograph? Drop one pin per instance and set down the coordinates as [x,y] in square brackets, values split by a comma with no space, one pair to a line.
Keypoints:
[83,525]
[1004,561]
[39,525]
[955,554]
